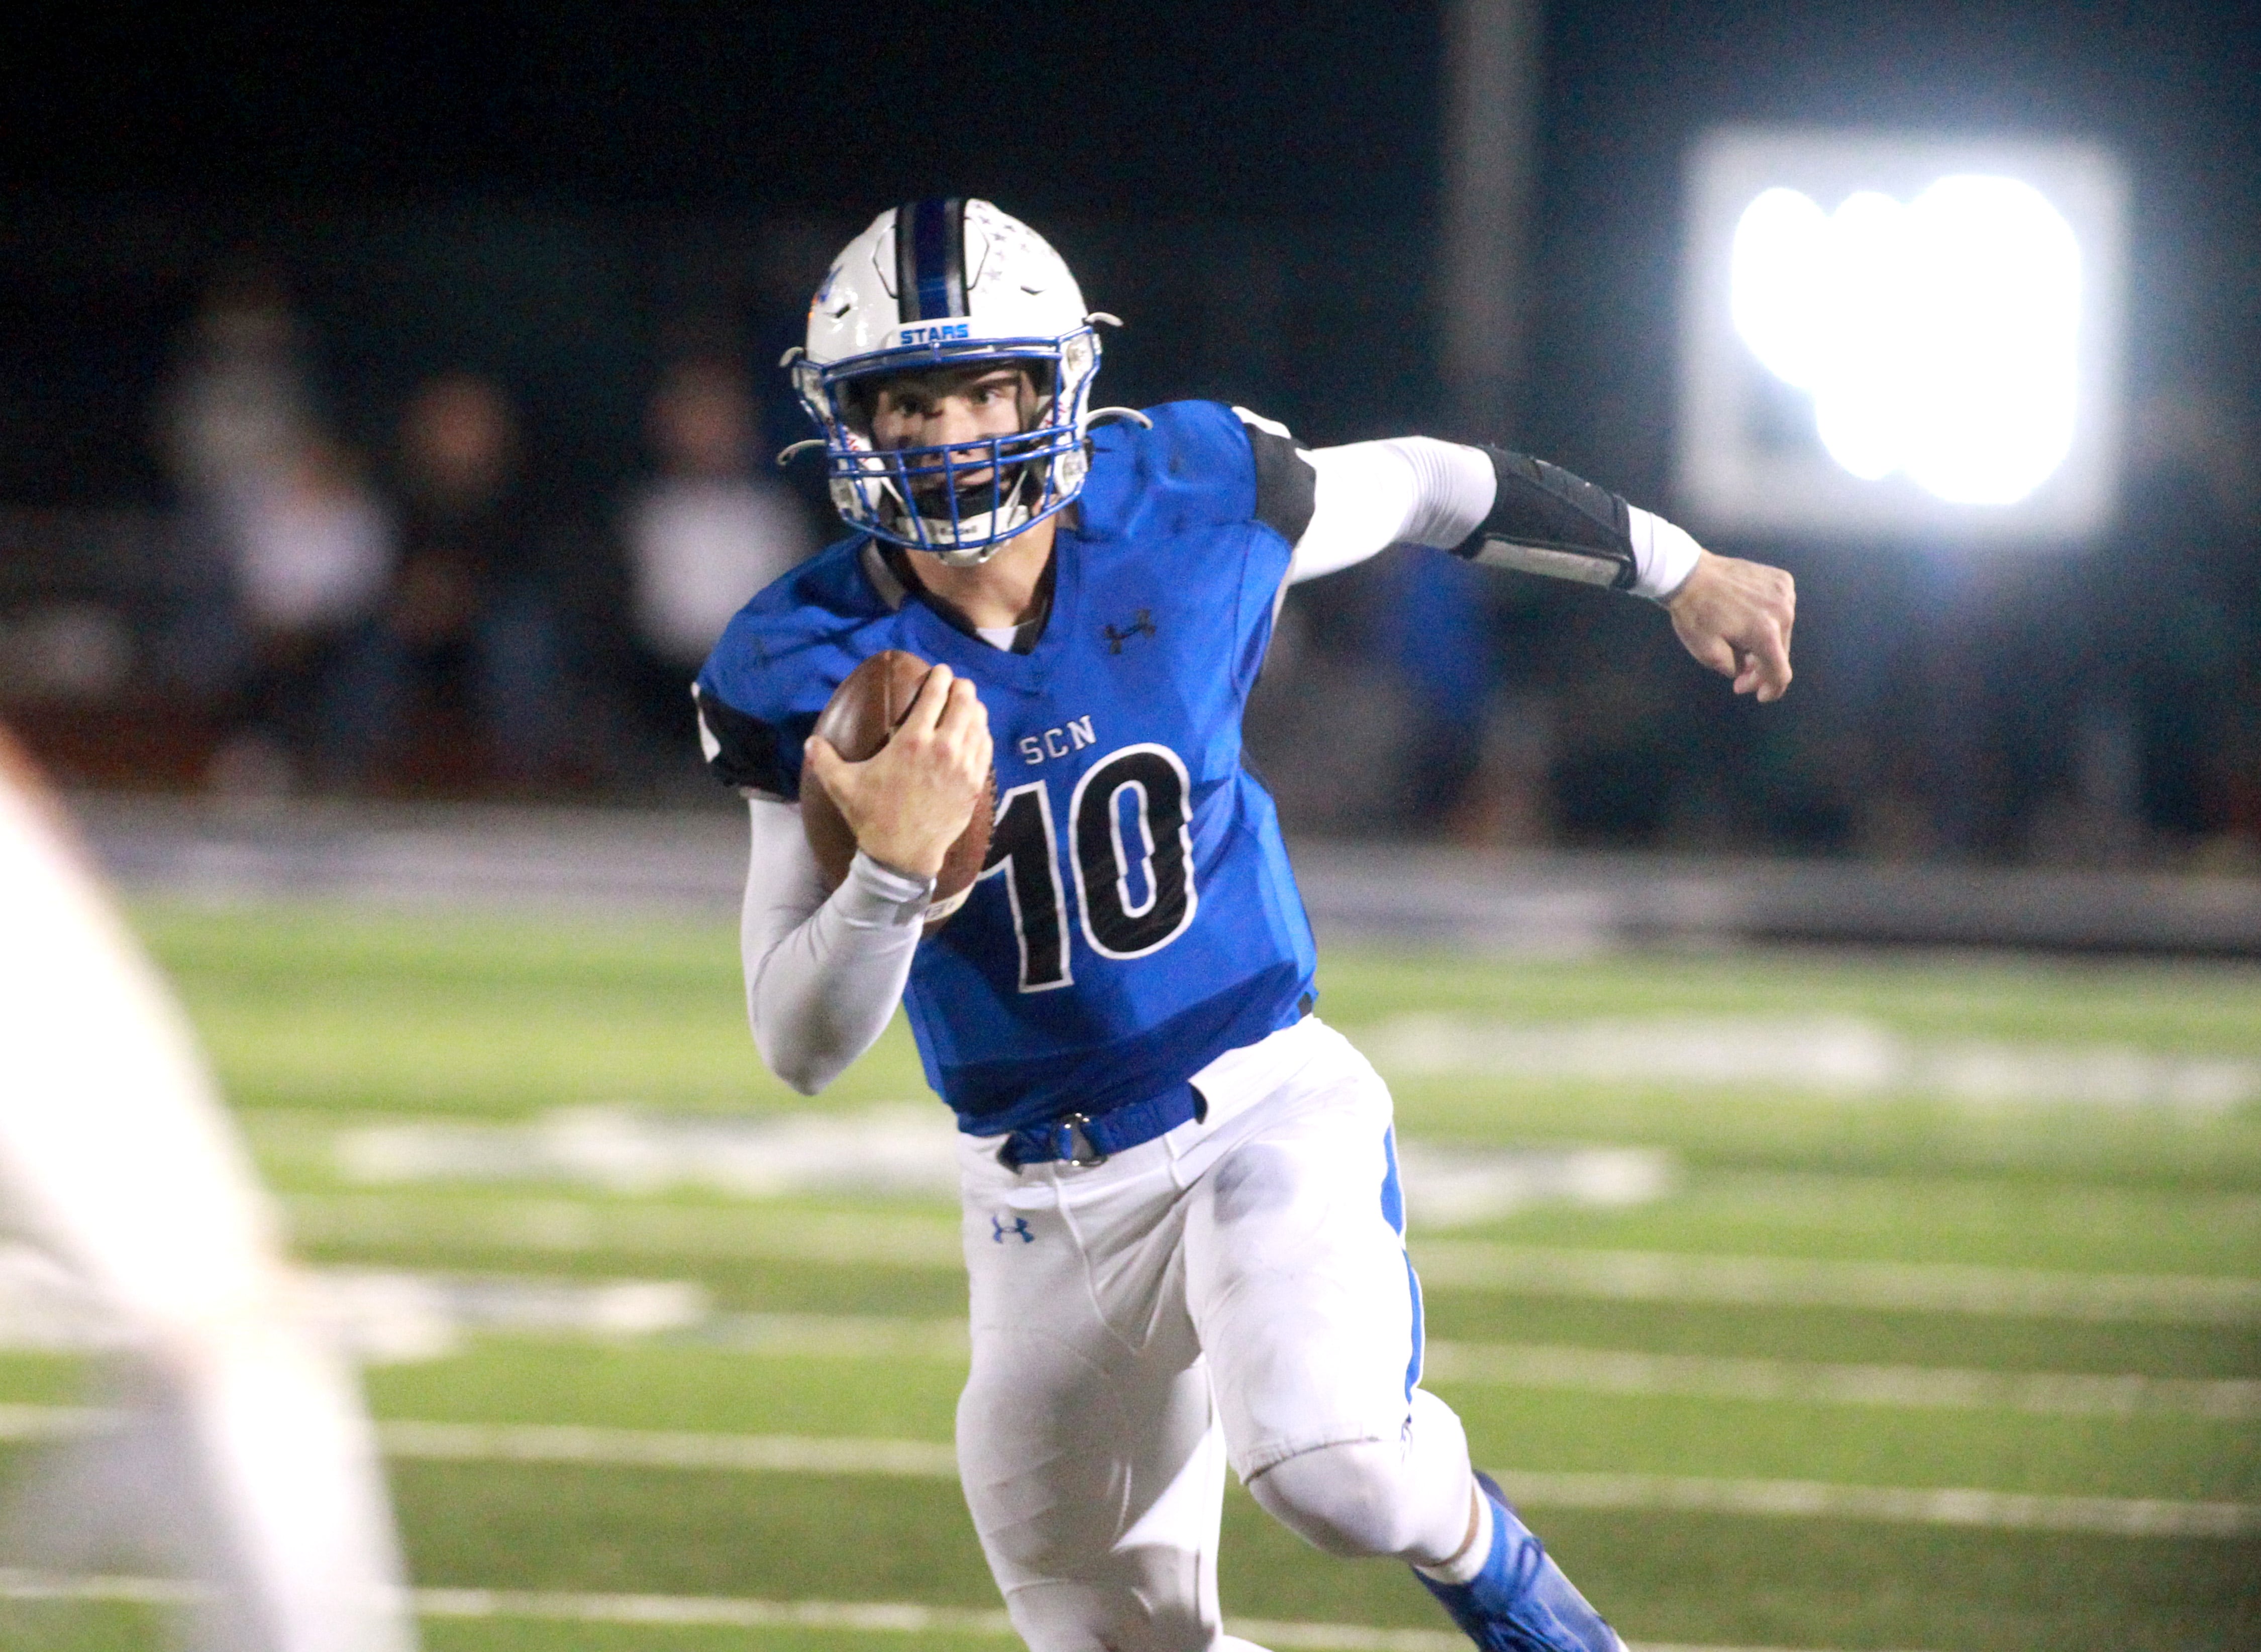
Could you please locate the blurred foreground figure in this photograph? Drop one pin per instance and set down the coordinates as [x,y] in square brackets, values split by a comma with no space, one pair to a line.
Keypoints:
[236,404]
[243,1459]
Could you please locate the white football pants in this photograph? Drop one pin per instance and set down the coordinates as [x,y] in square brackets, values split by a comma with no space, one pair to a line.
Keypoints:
[1234,1291]
[246,1460]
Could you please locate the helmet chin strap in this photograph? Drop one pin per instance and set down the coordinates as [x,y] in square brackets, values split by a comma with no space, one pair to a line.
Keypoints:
[993,528]
[960,557]
[988,530]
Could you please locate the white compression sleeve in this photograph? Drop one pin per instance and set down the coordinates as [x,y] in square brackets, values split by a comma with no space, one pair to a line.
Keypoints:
[1369,495]
[823,975]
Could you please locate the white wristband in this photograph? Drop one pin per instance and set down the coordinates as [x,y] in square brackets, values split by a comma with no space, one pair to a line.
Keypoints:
[1663,555]
[878,897]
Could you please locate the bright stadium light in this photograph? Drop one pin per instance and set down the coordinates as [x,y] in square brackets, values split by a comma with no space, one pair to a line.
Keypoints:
[1890,335]
[1939,338]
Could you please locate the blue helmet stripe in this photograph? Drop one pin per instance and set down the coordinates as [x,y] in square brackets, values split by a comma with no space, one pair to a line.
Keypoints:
[933,272]
[931,259]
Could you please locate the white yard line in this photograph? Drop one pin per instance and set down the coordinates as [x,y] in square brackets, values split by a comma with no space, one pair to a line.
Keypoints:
[1772,1282]
[51,1422]
[624,1228]
[145,1591]
[904,1150]
[708,1611]
[792,1453]
[839,1336]
[1605,1371]
[391,1316]
[637,1448]
[583,1226]
[1944,1505]
[718,1612]
[2035,1393]
[1828,1057]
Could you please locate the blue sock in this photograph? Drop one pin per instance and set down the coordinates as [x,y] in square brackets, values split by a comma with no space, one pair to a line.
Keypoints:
[1520,1601]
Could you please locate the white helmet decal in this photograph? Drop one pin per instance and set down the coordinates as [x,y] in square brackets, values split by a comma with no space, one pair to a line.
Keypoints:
[941,283]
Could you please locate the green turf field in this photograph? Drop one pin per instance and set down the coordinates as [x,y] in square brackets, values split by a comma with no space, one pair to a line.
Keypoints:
[1767,1409]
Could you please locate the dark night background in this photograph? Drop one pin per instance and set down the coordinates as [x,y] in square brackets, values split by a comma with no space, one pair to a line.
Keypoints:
[549,194]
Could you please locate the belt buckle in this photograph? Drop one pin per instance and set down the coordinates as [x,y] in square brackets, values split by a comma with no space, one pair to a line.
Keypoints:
[1073,1142]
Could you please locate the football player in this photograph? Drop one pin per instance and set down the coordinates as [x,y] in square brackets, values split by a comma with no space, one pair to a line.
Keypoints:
[1182,1220]
[243,1456]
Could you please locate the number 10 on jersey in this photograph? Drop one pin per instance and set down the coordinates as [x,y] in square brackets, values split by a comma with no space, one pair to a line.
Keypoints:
[1132,899]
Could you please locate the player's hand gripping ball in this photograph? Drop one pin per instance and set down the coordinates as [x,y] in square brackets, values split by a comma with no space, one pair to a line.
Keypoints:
[899,765]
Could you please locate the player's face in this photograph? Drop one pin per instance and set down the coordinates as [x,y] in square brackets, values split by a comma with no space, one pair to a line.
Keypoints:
[932,409]
[946,409]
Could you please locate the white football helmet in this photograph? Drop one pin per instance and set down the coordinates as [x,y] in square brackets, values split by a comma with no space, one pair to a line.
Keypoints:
[939,283]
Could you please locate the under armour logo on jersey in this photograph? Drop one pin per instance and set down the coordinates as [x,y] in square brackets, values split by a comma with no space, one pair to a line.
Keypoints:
[1142,626]
[1000,1232]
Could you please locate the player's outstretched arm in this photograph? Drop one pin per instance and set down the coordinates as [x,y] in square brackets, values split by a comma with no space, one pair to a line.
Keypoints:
[1507,510]
[1735,616]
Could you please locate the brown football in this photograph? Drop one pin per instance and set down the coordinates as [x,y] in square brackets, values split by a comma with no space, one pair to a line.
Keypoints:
[860,717]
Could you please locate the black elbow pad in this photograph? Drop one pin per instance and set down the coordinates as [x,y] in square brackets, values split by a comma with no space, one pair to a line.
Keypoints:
[1545,521]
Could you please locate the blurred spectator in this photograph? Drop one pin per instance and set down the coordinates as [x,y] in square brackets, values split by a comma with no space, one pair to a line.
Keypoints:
[478,679]
[318,547]
[233,411]
[705,535]
[282,554]
[236,407]
[314,554]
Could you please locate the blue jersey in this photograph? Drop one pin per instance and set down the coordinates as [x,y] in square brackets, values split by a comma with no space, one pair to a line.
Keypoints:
[1138,917]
